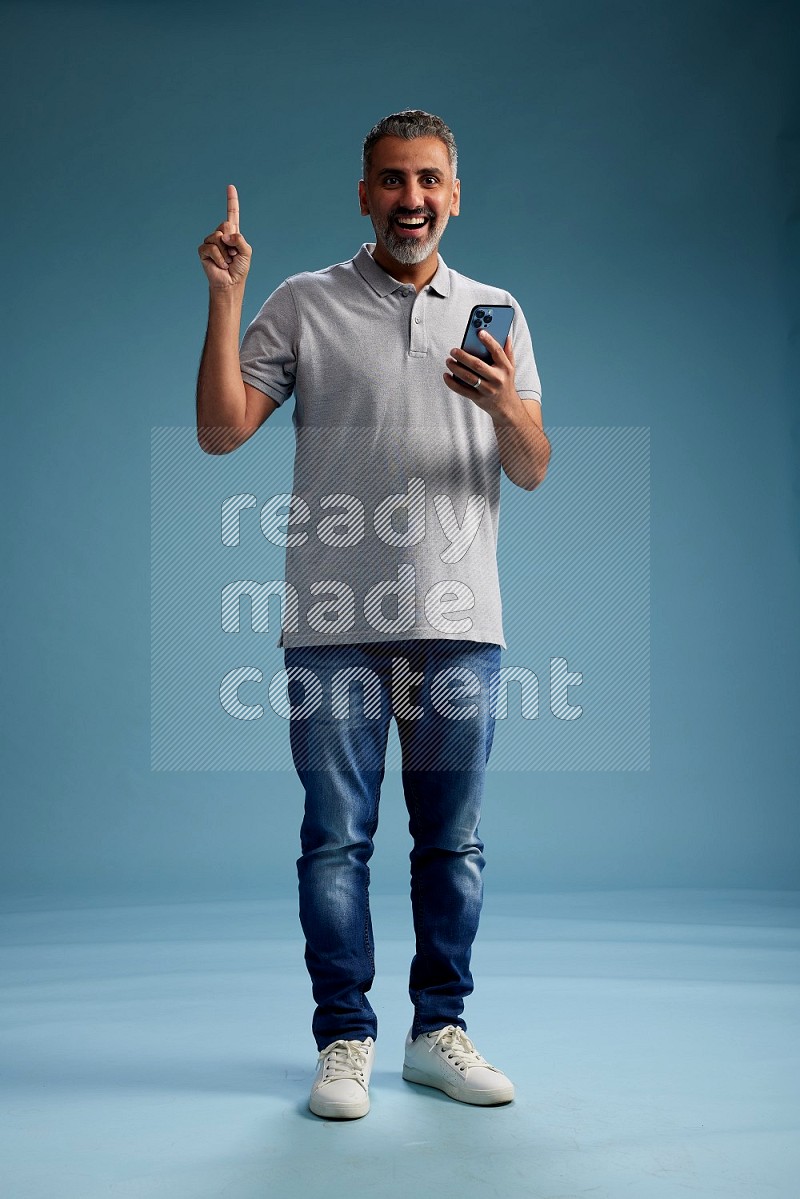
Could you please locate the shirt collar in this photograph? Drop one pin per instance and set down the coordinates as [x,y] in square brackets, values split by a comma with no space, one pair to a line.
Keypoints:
[383,283]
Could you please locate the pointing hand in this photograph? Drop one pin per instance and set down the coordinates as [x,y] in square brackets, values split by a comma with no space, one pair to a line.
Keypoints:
[225,254]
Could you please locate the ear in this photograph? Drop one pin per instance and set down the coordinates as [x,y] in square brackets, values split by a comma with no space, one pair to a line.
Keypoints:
[456,201]
[362,198]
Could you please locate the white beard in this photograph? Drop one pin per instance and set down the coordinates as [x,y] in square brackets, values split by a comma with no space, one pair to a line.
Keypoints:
[411,251]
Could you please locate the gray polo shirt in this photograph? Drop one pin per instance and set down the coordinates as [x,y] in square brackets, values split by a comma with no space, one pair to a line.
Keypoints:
[391,527]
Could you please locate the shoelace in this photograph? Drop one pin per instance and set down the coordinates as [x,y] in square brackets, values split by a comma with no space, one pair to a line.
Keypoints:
[455,1043]
[343,1059]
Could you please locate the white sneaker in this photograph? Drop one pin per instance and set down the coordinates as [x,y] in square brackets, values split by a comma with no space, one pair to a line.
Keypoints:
[447,1059]
[341,1085]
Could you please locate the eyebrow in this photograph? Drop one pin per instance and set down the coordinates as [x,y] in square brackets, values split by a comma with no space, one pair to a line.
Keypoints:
[421,171]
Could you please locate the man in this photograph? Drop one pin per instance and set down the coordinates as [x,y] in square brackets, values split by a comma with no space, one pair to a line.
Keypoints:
[391,419]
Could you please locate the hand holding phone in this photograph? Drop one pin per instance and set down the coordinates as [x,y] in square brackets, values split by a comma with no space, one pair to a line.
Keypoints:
[496,319]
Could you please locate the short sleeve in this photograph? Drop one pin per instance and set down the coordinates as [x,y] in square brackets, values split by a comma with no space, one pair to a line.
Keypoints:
[268,353]
[526,374]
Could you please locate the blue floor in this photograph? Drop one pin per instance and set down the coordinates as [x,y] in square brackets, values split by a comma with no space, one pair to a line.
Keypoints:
[165,1051]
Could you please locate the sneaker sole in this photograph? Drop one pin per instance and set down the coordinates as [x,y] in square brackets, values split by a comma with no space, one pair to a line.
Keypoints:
[338,1111]
[481,1098]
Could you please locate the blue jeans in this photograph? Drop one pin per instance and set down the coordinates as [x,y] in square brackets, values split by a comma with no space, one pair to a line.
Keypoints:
[340,763]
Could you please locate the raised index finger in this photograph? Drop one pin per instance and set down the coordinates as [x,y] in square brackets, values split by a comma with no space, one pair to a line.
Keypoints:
[233,207]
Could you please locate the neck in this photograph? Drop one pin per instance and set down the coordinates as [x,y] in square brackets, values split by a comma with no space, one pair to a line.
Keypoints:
[419,274]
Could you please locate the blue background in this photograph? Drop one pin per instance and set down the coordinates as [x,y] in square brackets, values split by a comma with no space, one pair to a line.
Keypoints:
[629,172]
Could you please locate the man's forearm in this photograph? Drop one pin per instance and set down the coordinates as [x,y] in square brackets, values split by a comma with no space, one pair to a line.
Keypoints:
[523,446]
[221,397]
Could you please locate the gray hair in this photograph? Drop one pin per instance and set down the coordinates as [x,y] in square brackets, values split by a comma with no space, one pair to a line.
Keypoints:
[410,123]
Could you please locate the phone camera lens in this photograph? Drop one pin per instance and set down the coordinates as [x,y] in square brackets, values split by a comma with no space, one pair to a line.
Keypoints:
[477,324]
[488,317]
[480,312]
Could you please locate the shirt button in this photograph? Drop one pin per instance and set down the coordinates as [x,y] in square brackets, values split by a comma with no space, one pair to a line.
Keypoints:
[417,319]
[405,292]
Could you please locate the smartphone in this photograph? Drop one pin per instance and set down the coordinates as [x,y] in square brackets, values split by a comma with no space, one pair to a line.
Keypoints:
[496,318]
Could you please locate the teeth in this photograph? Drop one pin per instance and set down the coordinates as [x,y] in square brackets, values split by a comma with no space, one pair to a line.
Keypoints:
[412,224]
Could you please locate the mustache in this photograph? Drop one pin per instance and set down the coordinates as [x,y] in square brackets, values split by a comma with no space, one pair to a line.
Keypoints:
[409,215]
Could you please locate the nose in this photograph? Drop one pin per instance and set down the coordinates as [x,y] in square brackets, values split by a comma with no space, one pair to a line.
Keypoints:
[412,198]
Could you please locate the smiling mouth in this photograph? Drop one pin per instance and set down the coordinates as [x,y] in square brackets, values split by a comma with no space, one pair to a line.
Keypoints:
[413,225]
